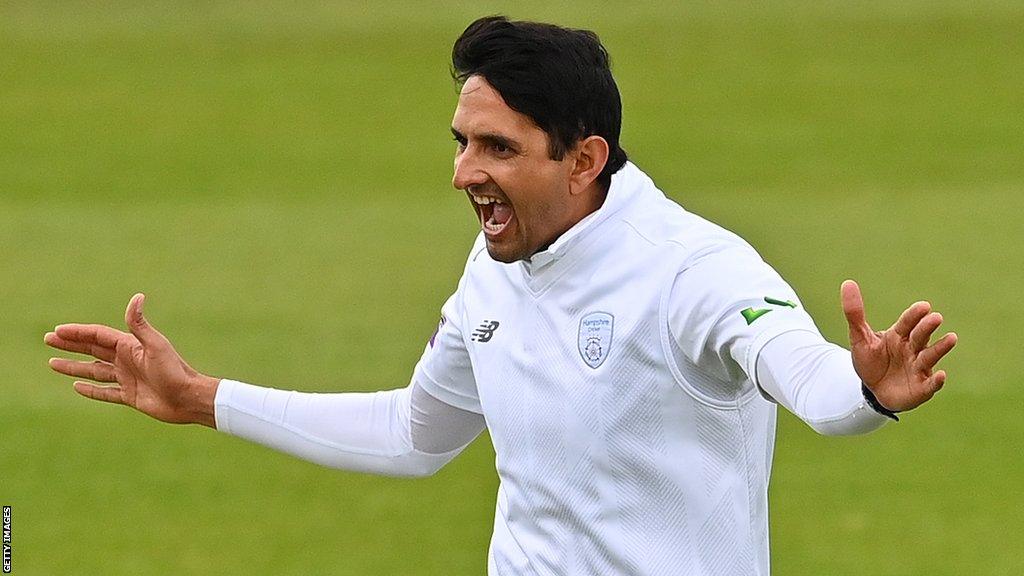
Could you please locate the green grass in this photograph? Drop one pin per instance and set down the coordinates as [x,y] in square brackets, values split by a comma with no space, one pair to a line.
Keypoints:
[275,178]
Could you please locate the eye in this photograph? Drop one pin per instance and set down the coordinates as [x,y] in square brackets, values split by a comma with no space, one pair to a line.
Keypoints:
[501,149]
[461,142]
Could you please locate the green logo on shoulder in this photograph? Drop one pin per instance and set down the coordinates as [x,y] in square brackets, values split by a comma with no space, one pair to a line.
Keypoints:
[751,314]
[771,300]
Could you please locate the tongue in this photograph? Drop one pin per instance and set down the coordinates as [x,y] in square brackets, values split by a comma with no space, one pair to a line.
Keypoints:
[501,214]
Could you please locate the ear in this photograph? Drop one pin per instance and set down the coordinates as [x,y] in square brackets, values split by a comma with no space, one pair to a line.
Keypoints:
[591,155]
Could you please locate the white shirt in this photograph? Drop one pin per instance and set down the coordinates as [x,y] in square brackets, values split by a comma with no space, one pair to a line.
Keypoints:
[623,374]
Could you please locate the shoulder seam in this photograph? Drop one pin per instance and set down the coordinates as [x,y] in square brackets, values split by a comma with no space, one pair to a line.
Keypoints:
[638,232]
[666,347]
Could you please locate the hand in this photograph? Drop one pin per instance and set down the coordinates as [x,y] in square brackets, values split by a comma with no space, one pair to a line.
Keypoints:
[151,376]
[896,365]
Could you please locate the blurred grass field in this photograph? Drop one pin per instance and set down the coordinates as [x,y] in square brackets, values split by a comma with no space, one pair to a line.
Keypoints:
[275,176]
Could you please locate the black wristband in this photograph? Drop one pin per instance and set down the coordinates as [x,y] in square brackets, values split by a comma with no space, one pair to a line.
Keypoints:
[876,405]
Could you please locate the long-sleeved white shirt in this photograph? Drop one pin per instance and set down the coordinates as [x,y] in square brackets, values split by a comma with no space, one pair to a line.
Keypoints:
[628,377]
[408,432]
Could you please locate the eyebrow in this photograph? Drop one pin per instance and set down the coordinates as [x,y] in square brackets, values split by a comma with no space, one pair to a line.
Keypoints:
[491,138]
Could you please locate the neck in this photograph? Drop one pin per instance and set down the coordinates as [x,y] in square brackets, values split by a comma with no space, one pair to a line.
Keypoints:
[591,201]
[595,196]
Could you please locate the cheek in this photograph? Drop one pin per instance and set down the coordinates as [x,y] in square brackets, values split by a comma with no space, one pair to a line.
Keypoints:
[542,212]
[540,199]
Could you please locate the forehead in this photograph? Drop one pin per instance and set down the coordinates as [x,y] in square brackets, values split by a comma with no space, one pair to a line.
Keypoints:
[482,109]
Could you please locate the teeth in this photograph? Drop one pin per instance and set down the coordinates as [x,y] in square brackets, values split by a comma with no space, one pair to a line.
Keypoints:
[485,200]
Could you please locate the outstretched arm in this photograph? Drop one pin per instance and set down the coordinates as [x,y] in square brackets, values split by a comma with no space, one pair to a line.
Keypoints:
[824,384]
[730,309]
[404,432]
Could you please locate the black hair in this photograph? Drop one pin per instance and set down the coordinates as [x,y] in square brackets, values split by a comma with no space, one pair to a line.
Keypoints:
[559,77]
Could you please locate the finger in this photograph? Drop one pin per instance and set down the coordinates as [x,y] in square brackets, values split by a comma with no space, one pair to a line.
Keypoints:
[853,308]
[935,382]
[138,324]
[921,333]
[910,317]
[92,333]
[53,340]
[930,356]
[110,394]
[97,370]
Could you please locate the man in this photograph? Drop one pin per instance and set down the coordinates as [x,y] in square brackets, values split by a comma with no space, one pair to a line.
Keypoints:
[625,356]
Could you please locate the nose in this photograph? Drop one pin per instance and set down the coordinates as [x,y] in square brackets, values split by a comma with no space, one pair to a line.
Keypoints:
[468,171]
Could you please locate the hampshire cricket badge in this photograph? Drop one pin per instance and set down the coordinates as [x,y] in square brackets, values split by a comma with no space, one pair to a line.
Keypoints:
[595,337]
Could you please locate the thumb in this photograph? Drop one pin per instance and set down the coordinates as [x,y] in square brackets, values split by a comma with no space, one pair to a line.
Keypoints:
[853,308]
[138,324]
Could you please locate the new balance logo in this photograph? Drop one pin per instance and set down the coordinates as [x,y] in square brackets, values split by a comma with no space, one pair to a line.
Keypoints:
[486,331]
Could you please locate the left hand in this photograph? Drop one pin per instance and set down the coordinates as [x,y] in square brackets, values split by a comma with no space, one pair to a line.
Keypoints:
[896,365]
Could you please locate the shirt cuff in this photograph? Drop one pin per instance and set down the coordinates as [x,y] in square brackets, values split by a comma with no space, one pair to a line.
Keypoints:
[222,402]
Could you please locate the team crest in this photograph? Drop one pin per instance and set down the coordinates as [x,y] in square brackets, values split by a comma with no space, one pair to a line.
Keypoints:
[595,338]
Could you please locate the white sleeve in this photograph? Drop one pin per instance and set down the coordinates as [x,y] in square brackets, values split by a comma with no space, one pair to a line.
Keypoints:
[404,432]
[738,325]
[444,369]
[815,380]
[723,308]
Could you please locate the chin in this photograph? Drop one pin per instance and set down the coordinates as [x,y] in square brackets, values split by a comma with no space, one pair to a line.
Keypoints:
[505,256]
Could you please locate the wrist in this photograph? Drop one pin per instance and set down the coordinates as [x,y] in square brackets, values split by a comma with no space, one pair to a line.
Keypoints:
[202,391]
[877,406]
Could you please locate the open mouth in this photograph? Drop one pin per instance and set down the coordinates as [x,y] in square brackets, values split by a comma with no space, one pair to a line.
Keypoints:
[495,214]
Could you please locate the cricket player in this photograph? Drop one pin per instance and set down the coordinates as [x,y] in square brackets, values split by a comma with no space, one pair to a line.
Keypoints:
[626,356]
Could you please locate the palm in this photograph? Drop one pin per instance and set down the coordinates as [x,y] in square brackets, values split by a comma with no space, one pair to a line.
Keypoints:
[896,364]
[141,376]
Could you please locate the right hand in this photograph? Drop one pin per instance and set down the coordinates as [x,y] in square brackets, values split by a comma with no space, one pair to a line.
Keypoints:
[150,374]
